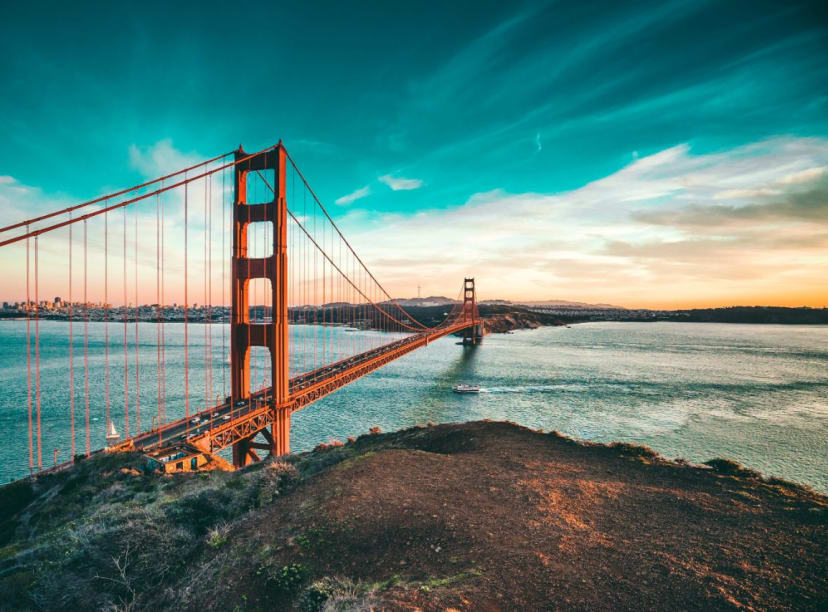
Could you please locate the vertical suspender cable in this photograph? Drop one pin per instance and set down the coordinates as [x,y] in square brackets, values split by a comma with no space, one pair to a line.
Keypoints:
[223,287]
[137,312]
[37,357]
[186,337]
[86,339]
[204,303]
[106,316]
[71,355]
[312,249]
[158,302]
[29,355]
[210,288]
[126,319]
[246,305]
[324,287]
[163,414]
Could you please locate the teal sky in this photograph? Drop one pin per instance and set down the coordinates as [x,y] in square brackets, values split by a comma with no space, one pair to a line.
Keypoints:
[425,109]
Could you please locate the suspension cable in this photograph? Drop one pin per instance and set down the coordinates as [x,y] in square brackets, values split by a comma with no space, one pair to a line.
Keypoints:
[107,208]
[106,197]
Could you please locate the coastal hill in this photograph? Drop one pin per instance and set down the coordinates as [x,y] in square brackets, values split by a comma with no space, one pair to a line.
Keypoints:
[474,516]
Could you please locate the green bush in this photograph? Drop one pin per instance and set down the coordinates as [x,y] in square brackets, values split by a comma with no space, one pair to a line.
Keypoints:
[286,580]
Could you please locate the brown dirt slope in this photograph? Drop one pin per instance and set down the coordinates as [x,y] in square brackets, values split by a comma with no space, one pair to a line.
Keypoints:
[474,516]
[495,516]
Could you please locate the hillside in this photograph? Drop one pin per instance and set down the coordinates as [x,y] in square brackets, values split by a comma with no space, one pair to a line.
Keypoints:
[475,516]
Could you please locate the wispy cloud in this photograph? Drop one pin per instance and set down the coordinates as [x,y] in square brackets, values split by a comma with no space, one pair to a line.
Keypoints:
[160,158]
[398,183]
[354,196]
[538,143]
[655,233]
[309,144]
[19,201]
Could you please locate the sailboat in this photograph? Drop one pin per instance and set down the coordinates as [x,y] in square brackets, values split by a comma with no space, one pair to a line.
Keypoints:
[112,435]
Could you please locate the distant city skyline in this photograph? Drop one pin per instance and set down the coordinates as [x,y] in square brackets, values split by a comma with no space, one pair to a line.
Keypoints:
[649,154]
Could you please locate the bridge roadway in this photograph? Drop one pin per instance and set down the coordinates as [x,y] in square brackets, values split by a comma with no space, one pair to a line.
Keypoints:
[224,424]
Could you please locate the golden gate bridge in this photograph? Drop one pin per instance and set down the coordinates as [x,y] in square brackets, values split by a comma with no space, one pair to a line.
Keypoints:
[259,232]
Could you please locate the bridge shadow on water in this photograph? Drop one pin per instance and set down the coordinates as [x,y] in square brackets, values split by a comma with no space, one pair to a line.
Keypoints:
[438,403]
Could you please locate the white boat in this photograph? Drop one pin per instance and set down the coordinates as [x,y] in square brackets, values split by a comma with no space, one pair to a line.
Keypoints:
[112,435]
[463,388]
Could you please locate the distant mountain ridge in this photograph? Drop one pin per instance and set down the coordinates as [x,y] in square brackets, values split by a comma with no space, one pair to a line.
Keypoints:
[554,304]
[439,300]
[568,304]
[433,300]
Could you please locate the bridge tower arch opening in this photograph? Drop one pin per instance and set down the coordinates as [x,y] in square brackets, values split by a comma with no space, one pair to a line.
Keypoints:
[244,333]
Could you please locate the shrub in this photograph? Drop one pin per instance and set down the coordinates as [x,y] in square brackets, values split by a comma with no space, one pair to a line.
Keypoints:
[320,447]
[332,593]
[351,439]
[217,535]
[334,443]
[374,430]
[733,468]
[633,450]
[286,580]
[286,471]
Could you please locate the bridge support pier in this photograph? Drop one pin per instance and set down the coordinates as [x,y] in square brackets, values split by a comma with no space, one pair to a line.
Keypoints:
[245,334]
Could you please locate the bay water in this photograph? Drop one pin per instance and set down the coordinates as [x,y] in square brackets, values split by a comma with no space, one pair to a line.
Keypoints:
[757,394]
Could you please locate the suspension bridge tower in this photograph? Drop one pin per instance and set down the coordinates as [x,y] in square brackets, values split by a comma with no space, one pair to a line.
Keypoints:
[474,334]
[244,334]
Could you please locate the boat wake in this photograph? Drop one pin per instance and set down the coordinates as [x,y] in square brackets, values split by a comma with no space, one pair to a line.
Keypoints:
[536,389]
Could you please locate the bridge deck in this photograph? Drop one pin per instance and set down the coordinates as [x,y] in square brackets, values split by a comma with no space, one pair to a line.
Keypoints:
[222,425]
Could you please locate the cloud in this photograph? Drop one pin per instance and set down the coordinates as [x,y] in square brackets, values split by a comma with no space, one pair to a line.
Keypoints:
[798,201]
[19,201]
[674,228]
[353,196]
[160,159]
[538,143]
[315,146]
[398,183]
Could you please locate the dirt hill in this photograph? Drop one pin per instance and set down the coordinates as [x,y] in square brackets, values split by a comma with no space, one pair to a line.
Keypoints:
[475,516]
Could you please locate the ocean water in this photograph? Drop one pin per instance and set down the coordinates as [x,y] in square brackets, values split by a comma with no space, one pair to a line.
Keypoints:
[754,393]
